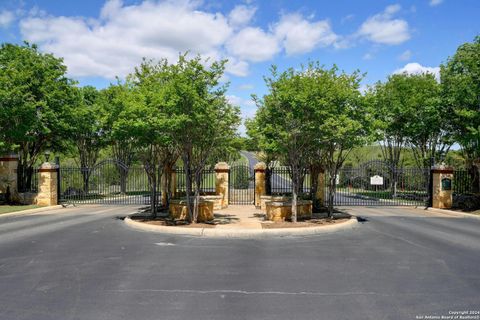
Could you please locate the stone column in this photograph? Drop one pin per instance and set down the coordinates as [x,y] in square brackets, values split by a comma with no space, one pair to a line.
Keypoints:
[8,175]
[320,194]
[260,187]
[442,197]
[222,169]
[47,185]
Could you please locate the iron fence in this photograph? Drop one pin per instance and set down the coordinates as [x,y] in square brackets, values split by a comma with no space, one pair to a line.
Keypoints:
[462,182]
[281,182]
[27,179]
[109,183]
[207,185]
[380,186]
[241,185]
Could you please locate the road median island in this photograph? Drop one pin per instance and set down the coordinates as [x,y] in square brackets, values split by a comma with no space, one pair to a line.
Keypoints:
[239,230]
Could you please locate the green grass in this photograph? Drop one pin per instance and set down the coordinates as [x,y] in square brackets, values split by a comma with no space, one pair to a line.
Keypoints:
[8,209]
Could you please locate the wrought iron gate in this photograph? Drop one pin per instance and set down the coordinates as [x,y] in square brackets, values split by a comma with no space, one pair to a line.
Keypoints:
[376,183]
[241,185]
[109,182]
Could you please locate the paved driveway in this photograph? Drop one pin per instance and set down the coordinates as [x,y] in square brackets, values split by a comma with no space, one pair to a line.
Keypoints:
[83,263]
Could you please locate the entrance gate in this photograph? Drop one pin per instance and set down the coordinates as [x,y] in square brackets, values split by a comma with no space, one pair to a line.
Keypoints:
[241,185]
[376,183]
[109,182]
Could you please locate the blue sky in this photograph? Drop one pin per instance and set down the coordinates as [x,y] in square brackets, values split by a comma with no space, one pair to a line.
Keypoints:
[102,39]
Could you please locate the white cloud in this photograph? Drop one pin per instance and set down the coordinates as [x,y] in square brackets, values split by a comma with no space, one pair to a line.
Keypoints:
[238,101]
[6,18]
[416,68]
[116,41]
[253,44]
[405,56]
[113,45]
[434,3]
[384,29]
[237,67]
[241,15]
[299,35]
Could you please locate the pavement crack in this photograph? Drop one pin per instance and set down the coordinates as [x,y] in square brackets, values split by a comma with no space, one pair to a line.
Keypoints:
[244,292]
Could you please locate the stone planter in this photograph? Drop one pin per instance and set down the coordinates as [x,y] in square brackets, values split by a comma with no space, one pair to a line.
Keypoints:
[217,201]
[178,210]
[282,210]
[264,199]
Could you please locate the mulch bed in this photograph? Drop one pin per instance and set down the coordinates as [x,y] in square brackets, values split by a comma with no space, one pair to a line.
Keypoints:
[302,224]
[163,222]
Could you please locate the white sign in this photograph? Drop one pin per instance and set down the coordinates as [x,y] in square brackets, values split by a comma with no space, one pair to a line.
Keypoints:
[337,179]
[376,180]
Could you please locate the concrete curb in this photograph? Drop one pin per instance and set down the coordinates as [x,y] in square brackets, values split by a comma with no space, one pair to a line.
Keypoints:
[455,213]
[30,211]
[242,233]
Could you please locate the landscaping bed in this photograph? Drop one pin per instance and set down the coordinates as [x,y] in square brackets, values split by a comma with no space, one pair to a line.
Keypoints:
[163,222]
[303,224]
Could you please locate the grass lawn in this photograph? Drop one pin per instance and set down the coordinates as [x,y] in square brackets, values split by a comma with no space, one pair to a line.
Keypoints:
[7,209]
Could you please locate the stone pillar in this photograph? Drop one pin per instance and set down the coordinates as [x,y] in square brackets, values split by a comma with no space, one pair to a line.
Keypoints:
[260,187]
[320,194]
[8,173]
[442,185]
[47,185]
[222,170]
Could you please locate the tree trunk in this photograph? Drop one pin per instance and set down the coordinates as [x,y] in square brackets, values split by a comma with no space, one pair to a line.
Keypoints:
[188,186]
[294,202]
[168,182]
[86,172]
[331,192]
[153,198]
[314,172]
[473,171]
[393,182]
[196,204]
[123,179]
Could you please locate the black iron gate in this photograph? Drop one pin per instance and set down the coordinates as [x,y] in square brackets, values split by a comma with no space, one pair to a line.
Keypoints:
[109,182]
[241,185]
[376,183]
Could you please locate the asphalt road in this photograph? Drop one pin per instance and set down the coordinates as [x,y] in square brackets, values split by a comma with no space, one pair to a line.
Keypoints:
[278,182]
[84,263]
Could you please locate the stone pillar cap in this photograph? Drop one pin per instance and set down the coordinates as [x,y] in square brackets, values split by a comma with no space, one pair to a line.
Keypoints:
[260,166]
[10,156]
[48,165]
[442,166]
[222,166]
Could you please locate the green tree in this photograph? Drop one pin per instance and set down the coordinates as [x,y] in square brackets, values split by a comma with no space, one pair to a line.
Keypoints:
[87,131]
[203,122]
[113,103]
[309,118]
[391,115]
[35,105]
[343,122]
[407,111]
[144,121]
[265,151]
[460,78]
